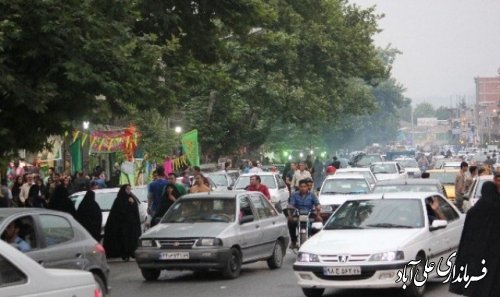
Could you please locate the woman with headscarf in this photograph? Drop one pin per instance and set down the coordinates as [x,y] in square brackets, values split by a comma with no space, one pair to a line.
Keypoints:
[37,194]
[171,193]
[480,241]
[123,226]
[89,215]
[60,201]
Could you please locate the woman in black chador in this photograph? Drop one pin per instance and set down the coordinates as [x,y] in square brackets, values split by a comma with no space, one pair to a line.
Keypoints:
[480,241]
[89,215]
[123,226]
[60,201]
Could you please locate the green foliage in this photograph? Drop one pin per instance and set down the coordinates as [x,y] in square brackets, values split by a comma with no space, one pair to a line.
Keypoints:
[423,110]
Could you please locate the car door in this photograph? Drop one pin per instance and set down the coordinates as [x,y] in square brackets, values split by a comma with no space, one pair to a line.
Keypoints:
[268,220]
[250,233]
[453,230]
[61,243]
[283,192]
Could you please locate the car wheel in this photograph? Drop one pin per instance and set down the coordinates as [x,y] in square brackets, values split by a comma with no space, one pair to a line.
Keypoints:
[276,259]
[313,292]
[150,274]
[100,285]
[233,265]
[412,290]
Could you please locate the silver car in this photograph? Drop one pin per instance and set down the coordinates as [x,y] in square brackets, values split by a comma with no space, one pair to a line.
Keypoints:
[57,240]
[219,230]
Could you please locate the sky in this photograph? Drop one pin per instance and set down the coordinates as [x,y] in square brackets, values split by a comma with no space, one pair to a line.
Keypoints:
[444,45]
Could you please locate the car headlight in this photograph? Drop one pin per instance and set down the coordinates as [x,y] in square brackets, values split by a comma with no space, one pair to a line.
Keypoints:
[388,256]
[307,257]
[326,208]
[147,243]
[209,242]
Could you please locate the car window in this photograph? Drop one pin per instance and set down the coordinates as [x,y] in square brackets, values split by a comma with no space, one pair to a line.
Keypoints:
[244,181]
[447,210]
[26,233]
[383,168]
[245,207]
[345,186]
[201,210]
[219,179]
[406,188]
[260,206]
[56,229]
[10,275]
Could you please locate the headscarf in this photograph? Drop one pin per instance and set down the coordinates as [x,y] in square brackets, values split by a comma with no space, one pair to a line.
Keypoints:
[60,201]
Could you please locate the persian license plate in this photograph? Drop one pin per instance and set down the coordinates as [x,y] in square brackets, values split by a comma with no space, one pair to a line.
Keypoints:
[174,256]
[352,270]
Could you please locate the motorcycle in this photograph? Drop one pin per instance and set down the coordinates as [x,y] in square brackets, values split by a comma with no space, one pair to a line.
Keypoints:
[306,225]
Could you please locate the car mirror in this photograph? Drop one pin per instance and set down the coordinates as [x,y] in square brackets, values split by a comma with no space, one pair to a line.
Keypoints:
[438,224]
[350,163]
[230,188]
[317,225]
[246,219]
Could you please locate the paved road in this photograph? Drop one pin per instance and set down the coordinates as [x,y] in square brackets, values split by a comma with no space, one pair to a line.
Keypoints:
[255,280]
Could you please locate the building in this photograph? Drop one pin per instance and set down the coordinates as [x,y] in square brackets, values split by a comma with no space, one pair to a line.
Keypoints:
[487,108]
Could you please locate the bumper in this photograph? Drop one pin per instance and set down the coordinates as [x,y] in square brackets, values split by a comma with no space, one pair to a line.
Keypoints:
[203,258]
[373,276]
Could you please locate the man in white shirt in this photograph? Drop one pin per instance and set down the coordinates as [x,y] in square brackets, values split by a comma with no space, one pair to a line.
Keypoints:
[255,168]
[25,189]
[300,174]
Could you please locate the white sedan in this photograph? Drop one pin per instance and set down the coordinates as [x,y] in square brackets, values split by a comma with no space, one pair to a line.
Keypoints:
[370,240]
[22,276]
[388,170]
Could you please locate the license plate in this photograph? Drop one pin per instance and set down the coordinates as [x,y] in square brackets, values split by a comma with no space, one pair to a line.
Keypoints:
[341,270]
[174,256]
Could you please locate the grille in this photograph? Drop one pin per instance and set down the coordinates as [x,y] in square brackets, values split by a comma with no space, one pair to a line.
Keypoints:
[351,258]
[175,243]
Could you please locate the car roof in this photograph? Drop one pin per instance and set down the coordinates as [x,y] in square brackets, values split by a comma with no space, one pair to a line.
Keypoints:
[27,210]
[443,170]
[384,162]
[99,191]
[352,169]
[486,177]
[259,173]
[409,181]
[341,175]
[213,194]
[394,195]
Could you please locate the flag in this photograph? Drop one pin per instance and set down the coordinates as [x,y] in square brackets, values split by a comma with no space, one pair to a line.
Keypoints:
[76,155]
[189,142]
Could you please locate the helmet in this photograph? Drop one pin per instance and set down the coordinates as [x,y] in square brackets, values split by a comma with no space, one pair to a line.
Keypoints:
[330,169]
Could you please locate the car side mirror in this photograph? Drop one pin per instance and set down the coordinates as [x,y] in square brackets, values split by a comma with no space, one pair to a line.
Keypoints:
[350,163]
[246,219]
[438,224]
[230,188]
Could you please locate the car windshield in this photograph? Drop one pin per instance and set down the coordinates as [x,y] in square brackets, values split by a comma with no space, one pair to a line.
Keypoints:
[380,213]
[201,210]
[368,159]
[383,168]
[105,200]
[366,174]
[219,179]
[345,186]
[1,219]
[408,163]
[405,188]
[444,177]
[244,181]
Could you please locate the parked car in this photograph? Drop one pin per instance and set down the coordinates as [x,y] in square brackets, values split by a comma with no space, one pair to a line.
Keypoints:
[388,170]
[410,185]
[338,188]
[22,276]
[411,166]
[474,193]
[277,187]
[222,179]
[105,199]
[447,178]
[218,230]
[369,239]
[366,172]
[57,240]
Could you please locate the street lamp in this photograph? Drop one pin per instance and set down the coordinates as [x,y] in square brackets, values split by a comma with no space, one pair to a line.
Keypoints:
[86,125]
[301,155]
[178,129]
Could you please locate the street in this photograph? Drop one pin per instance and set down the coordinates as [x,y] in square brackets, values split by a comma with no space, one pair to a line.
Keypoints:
[255,280]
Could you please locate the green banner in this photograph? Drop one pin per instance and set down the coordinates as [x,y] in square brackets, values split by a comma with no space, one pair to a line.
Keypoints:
[189,142]
[76,156]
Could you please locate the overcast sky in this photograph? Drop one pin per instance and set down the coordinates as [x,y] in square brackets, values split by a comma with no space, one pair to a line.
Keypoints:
[445,44]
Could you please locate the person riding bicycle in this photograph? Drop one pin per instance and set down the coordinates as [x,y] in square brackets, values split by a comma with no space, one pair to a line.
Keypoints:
[304,200]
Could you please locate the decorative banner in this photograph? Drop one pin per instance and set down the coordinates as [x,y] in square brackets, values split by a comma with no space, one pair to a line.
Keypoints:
[180,163]
[189,142]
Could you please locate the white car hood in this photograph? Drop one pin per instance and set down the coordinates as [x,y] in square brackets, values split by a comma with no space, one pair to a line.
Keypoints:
[366,241]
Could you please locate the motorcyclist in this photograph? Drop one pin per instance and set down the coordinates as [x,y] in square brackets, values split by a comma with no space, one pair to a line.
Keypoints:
[304,200]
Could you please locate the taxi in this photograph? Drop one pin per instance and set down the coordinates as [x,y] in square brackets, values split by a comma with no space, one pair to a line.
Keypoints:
[447,178]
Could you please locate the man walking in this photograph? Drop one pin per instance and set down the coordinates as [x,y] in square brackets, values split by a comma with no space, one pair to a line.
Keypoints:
[460,185]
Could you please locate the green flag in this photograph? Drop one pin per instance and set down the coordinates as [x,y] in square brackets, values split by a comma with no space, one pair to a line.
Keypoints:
[189,142]
[76,155]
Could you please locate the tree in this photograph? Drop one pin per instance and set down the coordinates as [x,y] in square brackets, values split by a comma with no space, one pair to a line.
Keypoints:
[443,113]
[423,110]
[57,56]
